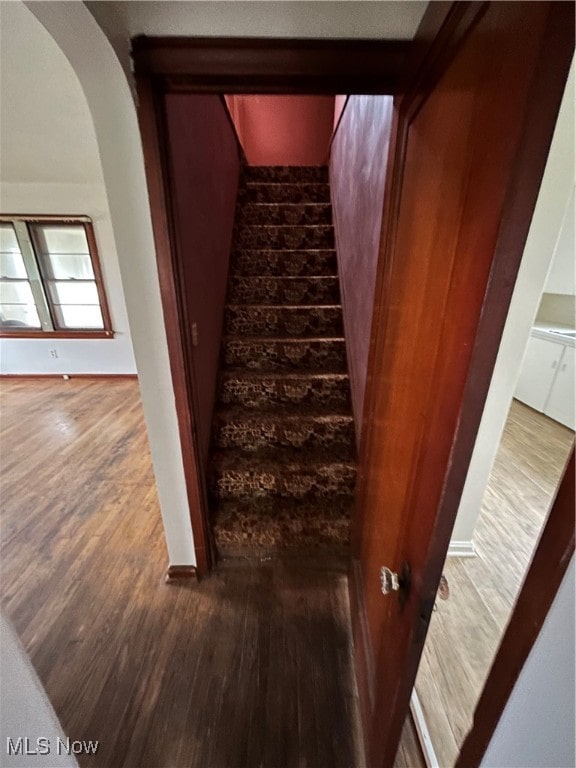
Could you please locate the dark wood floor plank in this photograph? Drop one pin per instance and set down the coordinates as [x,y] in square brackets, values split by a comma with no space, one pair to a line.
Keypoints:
[250,668]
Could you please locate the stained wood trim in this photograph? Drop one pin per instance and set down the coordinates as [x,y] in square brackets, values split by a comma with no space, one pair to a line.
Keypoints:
[38,218]
[546,93]
[272,65]
[176,574]
[154,144]
[539,124]
[548,567]
[232,125]
[97,268]
[442,30]
[35,334]
[68,376]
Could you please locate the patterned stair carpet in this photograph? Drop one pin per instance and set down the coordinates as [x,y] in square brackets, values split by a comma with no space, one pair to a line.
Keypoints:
[282,468]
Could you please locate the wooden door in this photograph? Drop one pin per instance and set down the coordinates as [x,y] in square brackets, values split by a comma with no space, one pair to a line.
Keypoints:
[471,138]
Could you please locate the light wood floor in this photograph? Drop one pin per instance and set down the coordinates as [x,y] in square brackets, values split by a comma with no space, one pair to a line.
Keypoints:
[466,629]
[251,667]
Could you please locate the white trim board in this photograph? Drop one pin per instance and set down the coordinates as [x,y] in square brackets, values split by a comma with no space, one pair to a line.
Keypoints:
[462,549]
[423,732]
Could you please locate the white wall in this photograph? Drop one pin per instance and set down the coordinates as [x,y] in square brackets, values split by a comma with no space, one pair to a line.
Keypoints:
[116,129]
[556,188]
[536,729]
[32,356]
[49,164]
[25,710]
[562,277]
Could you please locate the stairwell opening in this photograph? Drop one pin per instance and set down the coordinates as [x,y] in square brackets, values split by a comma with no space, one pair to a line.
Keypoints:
[282,468]
[276,420]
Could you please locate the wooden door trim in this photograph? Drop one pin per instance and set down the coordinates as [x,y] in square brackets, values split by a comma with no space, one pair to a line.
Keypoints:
[167,257]
[547,569]
[232,65]
[546,90]
[443,28]
[272,65]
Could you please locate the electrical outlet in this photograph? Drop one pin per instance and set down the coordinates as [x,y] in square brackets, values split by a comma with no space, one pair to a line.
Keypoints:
[54,353]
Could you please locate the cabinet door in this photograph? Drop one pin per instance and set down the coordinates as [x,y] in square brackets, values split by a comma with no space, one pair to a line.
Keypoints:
[538,371]
[560,405]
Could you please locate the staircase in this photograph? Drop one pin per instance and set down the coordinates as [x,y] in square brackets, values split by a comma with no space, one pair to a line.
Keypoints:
[282,468]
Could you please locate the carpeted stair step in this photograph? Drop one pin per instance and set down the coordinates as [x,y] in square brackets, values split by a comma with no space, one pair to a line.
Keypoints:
[289,214]
[265,390]
[261,262]
[287,476]
[292,174]
[234,428]
[282,471]
[266,192]
[285,237]
[262,354]
[283,290]
[282,320]
[264,527]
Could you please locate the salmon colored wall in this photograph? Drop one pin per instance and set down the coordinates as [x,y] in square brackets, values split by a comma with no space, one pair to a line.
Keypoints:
[205,169]
[339,104]
[283,130]
[357,175]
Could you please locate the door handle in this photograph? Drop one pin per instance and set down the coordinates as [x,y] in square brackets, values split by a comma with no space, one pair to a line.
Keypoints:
[390,581]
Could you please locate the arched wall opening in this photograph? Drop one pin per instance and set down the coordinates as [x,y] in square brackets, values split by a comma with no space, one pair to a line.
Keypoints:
[113,113]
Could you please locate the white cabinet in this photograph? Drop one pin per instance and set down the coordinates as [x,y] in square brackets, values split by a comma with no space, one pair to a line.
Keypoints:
[547,379]
[539,368]
[560,405]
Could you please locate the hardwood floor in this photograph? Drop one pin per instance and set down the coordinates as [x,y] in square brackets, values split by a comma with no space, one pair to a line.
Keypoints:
[251,667]
[466,628]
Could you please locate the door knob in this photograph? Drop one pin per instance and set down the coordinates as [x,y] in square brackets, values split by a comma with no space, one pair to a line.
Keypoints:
[395,582]
[389,581]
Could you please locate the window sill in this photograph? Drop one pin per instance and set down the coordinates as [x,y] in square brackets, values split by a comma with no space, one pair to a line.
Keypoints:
[57,334]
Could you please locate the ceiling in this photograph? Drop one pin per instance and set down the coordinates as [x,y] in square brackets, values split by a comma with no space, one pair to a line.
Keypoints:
[253,18]
[46,131]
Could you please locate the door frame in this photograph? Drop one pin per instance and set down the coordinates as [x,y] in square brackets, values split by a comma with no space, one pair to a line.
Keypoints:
[551,558]
[440,37]
[230,65]
[271,66]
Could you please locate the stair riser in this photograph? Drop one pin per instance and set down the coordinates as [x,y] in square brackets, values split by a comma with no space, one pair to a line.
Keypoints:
[254,192]
[285,237]
[288,263]
[262,355]
[275,391]
[244,532]
[283,290]
[284,215]
[285,174]
[288,321]
[325,482]
[335,432]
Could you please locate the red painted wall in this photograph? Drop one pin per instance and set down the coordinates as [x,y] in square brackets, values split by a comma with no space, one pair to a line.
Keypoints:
[205,169]
[283,130]
[357,176]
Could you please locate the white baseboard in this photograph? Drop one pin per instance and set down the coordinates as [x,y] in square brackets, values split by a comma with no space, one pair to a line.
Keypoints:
[461,549]
[423,732]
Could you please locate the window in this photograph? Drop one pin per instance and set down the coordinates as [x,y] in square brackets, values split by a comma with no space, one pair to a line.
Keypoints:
[50,279]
